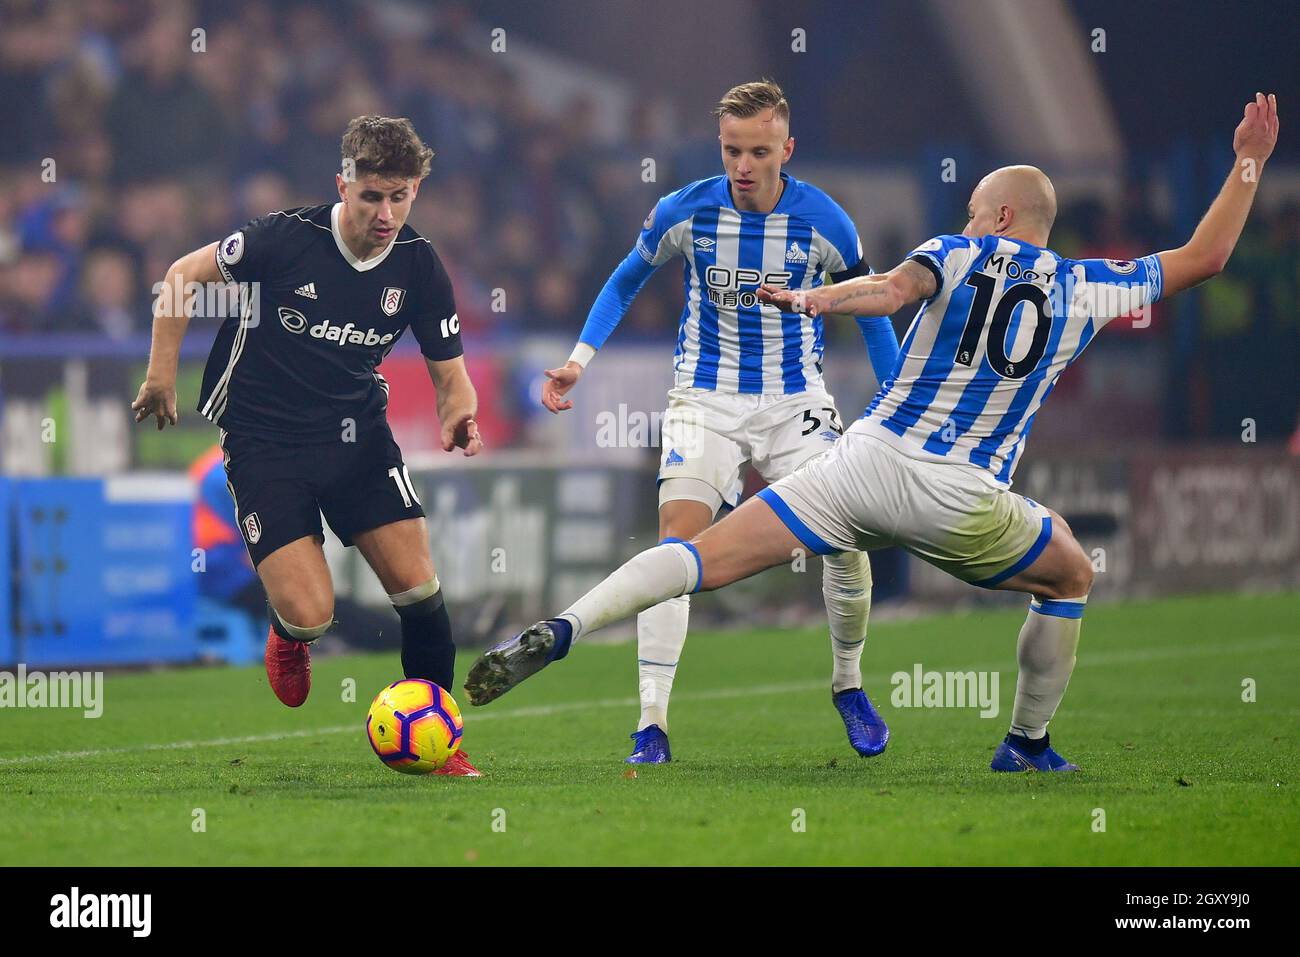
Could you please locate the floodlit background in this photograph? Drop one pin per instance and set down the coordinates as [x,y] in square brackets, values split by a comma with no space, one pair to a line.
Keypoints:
[135,132]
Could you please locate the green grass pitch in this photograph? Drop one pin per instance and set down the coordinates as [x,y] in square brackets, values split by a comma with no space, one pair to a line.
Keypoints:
[1186,772]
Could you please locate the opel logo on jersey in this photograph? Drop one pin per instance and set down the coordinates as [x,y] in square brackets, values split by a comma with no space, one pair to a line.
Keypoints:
[292,319]
[391,301]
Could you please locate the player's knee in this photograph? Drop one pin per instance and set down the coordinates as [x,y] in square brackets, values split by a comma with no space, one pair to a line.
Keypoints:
[847,572]
[682,531]
[1076,579]
[1084,577]
[305,632]
[304,614]
[690,514]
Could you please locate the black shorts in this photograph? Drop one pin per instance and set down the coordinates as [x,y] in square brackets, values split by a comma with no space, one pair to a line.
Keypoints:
[280,491]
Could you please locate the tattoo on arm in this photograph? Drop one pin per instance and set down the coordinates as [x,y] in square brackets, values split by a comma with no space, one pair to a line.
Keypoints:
[876,295]
[922,279]
[861,294]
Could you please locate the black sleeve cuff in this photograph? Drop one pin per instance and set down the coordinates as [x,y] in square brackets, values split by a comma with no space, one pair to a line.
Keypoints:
[863,268]
[928,263]
[447,354]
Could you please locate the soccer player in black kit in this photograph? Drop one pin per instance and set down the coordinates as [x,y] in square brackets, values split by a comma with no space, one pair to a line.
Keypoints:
[291,383]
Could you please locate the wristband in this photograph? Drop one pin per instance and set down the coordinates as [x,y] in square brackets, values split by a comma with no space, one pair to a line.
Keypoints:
[582,354]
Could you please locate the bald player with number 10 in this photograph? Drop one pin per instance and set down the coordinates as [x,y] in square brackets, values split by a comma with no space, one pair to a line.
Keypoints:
[929,465]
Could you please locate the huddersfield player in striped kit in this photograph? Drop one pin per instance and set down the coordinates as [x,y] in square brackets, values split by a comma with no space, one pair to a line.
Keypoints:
[748,380]
[929,466]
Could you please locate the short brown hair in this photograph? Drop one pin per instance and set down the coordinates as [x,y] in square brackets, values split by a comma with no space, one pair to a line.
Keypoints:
[750,99]
[386,145]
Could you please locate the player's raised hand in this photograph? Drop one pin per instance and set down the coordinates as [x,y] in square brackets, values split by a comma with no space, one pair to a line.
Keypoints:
[462,433]
[156,399]
[790,300]
[1256,134]
[557,385]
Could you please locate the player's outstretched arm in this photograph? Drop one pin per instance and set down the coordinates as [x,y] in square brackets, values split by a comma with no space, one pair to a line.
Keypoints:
[457,404]
[882,294]
[1207,252]
[157,396]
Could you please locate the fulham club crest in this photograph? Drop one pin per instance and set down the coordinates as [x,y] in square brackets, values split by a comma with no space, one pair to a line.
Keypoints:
[252,528]
[392,300]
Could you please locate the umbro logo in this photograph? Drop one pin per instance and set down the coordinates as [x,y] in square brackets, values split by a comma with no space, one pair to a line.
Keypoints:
[308,290]
[704,242]
[795,255]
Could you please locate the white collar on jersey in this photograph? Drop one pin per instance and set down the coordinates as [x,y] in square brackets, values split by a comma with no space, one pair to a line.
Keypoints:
[360,265]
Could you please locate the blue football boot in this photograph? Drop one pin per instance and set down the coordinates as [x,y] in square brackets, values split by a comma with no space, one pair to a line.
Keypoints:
[867,730]
[1012,756]
[650,746]
[509,662]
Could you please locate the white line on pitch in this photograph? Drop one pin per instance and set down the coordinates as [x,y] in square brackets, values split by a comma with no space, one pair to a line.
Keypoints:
[534,711]
[1101,659]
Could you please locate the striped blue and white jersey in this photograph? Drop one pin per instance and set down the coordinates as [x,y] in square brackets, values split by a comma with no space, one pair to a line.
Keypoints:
[728,341]
[985,350]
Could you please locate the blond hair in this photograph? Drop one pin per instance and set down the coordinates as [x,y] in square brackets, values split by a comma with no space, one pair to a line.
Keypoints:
[750,99]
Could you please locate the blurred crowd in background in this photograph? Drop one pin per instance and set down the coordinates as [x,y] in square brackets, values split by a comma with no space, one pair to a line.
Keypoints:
[153,151]
[521,200]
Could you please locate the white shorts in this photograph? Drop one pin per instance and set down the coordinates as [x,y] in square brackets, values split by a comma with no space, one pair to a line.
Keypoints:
[864,494]
[709,436]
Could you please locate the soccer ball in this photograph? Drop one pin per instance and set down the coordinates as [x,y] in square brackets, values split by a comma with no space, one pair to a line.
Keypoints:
[414,726]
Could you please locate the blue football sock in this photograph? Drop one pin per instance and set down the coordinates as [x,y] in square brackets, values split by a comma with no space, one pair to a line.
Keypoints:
[563,630]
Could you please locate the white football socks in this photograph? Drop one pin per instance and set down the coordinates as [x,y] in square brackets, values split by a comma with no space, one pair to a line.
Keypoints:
[660,638]
[846,586]
[655,575]
[661,635]
[1045,653]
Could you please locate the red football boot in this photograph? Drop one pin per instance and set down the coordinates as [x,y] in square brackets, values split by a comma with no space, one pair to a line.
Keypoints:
[288,668]
[458,766]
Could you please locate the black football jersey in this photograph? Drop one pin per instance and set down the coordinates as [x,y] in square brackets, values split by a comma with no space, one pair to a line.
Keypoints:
[300,361]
